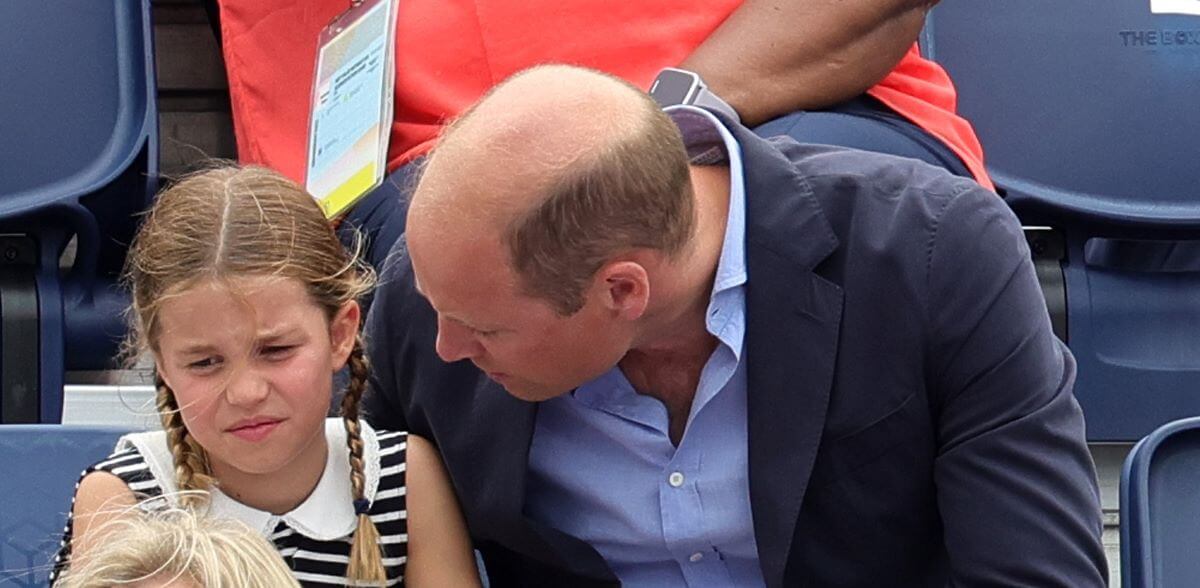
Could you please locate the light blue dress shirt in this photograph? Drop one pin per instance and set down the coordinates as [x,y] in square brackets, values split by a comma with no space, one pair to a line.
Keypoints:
[602,466]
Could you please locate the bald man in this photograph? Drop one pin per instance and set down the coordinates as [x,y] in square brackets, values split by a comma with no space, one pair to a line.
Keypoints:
[657,350]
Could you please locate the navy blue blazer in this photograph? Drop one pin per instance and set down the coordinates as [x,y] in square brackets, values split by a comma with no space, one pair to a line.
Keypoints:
[911,419]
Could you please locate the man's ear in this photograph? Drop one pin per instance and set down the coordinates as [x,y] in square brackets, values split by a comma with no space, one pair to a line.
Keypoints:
[625,288]
[343,330]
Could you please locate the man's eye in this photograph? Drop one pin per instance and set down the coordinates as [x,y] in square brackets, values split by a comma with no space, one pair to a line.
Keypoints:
[486,334]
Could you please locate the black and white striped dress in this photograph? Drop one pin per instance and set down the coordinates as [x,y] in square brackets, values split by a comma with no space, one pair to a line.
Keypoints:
[314,538]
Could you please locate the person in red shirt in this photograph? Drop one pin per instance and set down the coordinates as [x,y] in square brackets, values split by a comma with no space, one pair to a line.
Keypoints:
[841,72]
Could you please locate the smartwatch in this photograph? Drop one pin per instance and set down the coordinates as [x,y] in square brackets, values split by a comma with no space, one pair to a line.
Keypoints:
[680,86]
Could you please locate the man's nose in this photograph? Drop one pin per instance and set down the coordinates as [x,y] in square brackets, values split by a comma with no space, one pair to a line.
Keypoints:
[455,342]
[246,388]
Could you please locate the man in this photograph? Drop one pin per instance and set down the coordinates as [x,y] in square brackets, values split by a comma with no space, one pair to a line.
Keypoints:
[779,365]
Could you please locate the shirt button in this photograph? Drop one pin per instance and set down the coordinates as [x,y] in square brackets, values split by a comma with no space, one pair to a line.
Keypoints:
[696,557]
[675,479]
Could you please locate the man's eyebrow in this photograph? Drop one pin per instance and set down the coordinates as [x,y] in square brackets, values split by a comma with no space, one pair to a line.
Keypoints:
[448,316]
[468,324]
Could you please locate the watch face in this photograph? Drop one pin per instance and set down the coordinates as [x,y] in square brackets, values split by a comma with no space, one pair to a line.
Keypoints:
[673,87]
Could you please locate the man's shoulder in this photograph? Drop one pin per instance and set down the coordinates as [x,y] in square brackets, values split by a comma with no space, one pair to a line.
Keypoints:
[835,173]
[884,199]
[889,218]
[396,267]
[395,289]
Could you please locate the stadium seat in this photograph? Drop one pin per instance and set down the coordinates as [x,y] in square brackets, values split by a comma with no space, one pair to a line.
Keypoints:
[40,465]
[1087,113]
[1160,515]
[78,160]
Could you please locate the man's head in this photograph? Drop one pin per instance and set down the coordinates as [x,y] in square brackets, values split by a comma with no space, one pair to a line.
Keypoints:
[540,219]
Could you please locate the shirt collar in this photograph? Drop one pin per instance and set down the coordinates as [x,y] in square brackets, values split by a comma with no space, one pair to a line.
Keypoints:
[707,139]
[327,513]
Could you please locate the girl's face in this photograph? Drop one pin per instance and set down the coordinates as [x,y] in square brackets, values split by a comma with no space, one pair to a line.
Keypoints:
[251,366]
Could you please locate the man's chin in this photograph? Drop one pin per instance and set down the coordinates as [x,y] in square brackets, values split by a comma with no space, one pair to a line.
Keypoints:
[529,393]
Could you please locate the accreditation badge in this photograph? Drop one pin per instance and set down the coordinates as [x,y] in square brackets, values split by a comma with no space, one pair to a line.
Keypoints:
[350,118]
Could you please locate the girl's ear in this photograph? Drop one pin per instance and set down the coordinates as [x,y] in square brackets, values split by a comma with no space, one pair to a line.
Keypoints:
[343,330]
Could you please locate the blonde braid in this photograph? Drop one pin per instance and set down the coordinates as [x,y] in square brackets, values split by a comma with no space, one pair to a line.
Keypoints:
[191,461]
[366,560]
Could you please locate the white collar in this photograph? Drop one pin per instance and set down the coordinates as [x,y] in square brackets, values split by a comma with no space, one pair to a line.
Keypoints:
[327,513]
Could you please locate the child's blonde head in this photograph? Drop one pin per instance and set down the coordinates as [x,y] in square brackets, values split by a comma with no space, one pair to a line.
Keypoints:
[232,222]
[179,547]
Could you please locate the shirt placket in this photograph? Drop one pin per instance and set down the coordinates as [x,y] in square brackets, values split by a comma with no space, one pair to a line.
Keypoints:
[683,521]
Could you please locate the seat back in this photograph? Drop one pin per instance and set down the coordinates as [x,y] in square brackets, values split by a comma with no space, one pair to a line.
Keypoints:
[78,160]
[40,466]
[1087,114]
[1160,514]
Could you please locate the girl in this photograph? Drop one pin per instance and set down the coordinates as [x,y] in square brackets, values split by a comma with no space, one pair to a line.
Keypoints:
[248,303]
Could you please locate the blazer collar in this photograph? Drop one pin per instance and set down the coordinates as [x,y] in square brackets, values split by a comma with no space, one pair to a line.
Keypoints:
[502,472]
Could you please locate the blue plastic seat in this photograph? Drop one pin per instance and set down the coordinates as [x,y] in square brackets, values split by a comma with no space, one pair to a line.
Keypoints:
[1088,116]
[78,159]
[40,466]
[1160,513]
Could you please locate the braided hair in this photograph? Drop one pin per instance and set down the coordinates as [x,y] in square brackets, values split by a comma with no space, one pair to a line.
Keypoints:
[366,562]
[191,462]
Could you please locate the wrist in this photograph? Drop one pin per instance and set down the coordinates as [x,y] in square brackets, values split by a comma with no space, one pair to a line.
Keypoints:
[675,86]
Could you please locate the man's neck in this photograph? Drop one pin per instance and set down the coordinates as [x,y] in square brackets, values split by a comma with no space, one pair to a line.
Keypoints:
[676,321]
[666,362]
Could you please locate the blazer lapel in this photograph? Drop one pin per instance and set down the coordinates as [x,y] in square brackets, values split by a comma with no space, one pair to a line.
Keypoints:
[793,322]
[791,349]
[498,444]
[500,488]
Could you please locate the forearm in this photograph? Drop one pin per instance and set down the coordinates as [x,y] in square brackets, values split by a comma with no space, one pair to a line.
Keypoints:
[773,57]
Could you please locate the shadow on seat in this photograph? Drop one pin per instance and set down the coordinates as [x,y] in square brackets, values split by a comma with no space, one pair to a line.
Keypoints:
[40,465]
[78,161]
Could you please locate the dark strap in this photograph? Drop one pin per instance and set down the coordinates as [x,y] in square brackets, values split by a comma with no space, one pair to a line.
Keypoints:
[1049,249]
[214,17]
[20,342]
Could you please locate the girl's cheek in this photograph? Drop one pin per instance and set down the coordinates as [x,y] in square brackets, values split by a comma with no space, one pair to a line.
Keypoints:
[197,407]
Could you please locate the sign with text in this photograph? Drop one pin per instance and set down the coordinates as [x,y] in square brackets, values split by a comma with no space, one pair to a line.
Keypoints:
[351,115]
[1175,7]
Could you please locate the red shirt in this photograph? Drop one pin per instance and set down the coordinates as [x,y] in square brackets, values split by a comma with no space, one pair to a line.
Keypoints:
[449,53]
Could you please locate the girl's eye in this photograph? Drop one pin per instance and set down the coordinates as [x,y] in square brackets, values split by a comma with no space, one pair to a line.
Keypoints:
[203,364]
[277,351]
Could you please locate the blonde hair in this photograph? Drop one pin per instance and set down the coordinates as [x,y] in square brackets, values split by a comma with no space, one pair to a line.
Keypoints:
[180,544]
[230,222]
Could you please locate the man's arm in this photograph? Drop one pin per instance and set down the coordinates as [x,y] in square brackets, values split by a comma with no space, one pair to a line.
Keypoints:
[773,57]
[1016,486]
